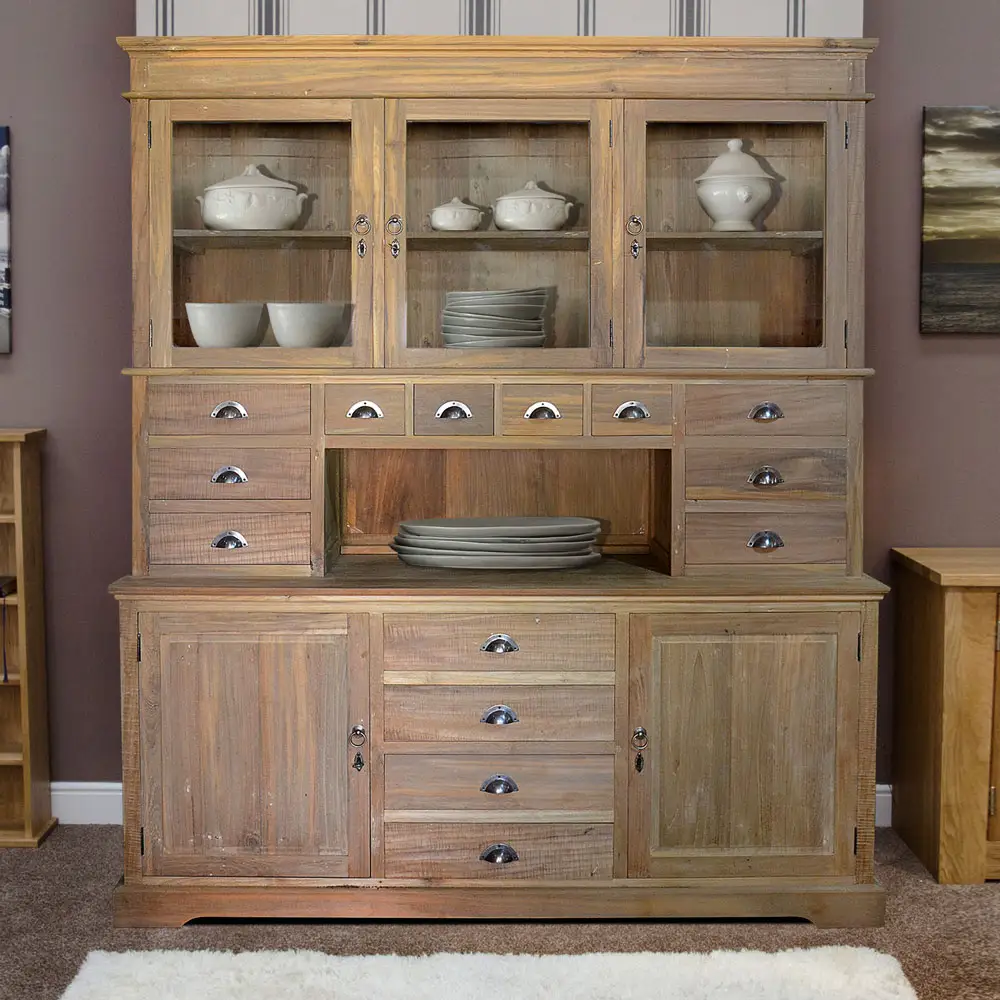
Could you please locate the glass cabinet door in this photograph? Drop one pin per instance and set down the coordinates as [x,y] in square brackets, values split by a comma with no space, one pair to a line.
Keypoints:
[497,233]
[261,230]
[734,227]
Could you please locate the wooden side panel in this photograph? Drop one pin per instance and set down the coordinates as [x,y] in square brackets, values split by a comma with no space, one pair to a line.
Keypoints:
[141,328]
[993,830]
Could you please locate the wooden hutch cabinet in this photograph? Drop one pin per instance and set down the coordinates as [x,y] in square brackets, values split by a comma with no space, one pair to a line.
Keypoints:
[303,712]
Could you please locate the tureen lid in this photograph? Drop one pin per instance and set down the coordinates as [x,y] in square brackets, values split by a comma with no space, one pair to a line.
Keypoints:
[252,178]
[532,190]
[458,203]
[735,163]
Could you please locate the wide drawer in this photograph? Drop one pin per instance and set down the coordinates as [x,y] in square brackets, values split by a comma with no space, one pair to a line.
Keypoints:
[766,408]
[229,473]
[257,539]
[715,538]
[771,473]
[538,410]
[228,408]
[543,641]
[531,850]
[365,408]
[624,410]
[542,711]
[453,409]
[579,785]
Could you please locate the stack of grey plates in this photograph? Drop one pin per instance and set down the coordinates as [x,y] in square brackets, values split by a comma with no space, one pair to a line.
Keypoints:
[511,318]
[498,542]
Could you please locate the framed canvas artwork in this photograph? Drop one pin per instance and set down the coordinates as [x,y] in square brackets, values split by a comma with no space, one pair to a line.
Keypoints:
[960,268]
[4,240]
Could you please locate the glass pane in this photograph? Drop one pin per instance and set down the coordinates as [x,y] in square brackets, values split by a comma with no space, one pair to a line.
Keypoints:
[277,237]
[532,243]
[742,276]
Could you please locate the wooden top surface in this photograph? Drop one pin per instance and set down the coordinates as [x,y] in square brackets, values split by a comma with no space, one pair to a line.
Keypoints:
[976,567]
[9,435]
[536,374]
[611,579]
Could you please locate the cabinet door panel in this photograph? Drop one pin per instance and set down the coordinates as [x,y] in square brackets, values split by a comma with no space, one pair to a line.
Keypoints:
[752,729]
[245,754]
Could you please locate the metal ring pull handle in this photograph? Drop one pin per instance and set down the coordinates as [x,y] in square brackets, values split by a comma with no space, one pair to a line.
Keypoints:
[358,736]
[362,225]
[394,225]
[765,541]
[453,410]
[632,410]
[499,784]
[766,475]
[229,474]
[499,715]
[499,854]
[229,539]
[640,738]
[542,410]
[634,225]
[230,410]
[764,413]
[499,642]
[365,409]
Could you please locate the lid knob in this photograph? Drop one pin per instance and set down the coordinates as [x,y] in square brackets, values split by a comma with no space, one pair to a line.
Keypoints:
[735,145]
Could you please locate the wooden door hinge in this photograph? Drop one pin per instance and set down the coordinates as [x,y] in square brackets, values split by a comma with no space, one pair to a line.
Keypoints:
[992,801]
[855,840]
[859,647]
[611,333]
[142,840]
[847,135]
[611,133]
[149,134]
[846,329]
[998,638]
[138,647]
[151,339]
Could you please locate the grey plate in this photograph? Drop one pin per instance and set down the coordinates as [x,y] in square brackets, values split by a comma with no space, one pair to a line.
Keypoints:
[492,293]
[474,544]
[518,310]
[418,544]
[458,560]
[453,318]
[500,527]
[452,340]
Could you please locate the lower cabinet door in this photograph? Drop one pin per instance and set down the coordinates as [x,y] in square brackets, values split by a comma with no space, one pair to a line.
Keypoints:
[246,754]
[744,755]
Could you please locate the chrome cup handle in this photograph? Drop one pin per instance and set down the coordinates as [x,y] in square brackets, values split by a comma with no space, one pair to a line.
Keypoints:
[229,474]
[230,410]
[365,409]
[499,854]
[453,410]
[499,642]
[499,784]
[632,410]
[499,715]
[229,539]
[542,410]
[765,413]
[765,541]
[766,475]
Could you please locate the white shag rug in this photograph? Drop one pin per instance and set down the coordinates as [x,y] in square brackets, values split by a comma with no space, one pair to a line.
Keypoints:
[833,973]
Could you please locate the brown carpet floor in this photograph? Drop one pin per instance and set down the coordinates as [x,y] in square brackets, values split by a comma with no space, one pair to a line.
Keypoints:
[55,906]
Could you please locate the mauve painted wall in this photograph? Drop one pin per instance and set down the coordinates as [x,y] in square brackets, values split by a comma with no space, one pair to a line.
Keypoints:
[932,415]
[61,79]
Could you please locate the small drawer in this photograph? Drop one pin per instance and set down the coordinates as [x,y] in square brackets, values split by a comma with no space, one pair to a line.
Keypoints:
[538,410]
[421,712]
[766,408]
[765,474]
[532,642]
[583,786]
[239,539]
[228,408]
[498,850]
[229,473]
[626,410]
[365,408]
[724,538]
[453,409]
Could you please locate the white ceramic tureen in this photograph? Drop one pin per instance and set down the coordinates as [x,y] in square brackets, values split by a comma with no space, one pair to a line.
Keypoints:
[251,201]
[734,189]
[456,216]
[531,208]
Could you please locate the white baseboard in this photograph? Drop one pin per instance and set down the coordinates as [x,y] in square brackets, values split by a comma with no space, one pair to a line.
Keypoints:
[101,802]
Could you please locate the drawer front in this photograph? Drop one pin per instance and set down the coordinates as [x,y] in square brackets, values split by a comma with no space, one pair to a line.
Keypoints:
[765,474]
[640,409]
[453,409]
[808,537]
[582,786]
[420,712]
[542,850]
[365,408]
[229,473]
[454,642]
[539,399]
[186,539]
[806,408]
[228,408]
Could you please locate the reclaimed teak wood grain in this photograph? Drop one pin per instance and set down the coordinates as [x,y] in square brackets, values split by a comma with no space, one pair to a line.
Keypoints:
[308,723]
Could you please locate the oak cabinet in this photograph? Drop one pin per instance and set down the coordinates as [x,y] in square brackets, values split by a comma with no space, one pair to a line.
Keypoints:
[744,751]
[245,730]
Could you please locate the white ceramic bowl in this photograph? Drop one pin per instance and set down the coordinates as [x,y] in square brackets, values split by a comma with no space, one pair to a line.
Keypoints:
[227,324]
[307,324]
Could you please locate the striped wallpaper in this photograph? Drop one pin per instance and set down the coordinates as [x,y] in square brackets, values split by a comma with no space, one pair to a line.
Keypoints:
[795,18]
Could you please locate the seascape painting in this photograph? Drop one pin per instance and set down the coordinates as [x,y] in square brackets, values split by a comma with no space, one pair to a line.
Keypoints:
[4,240]
[960,274]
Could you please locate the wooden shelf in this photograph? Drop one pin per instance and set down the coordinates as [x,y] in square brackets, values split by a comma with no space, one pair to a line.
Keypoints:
[8,519]
[200,240]
[497,239]
[796,242]
[13,679]
[11,755]
[11,600]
